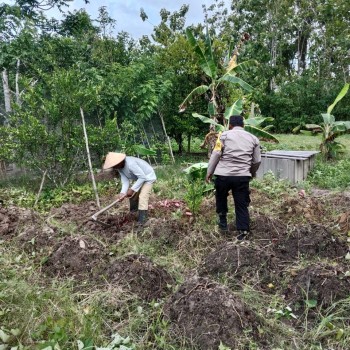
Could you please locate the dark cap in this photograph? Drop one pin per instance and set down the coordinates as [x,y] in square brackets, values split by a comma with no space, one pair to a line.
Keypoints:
[236,120]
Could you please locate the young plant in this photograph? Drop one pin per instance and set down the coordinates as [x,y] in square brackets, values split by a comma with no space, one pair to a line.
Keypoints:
[196,188]
[331,129]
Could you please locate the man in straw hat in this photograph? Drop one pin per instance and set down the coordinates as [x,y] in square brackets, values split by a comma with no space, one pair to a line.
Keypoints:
[132,168]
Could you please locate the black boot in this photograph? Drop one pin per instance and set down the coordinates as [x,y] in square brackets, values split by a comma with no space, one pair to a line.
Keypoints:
[143,216]
[242,235]
[222,223]
[134,203]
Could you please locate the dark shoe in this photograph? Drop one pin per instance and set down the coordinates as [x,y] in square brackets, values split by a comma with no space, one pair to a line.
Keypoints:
[222,223]
[143,216]
[242,235]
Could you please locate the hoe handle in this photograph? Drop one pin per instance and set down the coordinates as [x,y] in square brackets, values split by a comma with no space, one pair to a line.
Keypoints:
[94,217]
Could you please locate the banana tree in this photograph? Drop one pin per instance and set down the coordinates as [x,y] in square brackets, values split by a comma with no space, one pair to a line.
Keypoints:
[218,116]
[331,129]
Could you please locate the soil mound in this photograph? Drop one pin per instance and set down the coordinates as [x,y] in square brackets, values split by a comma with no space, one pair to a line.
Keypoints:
[80,214]
[37,239]
[78,257]
[248,264]
[141,276]
[321,283]
[166,231]
[208,313]
[264,227]
[312,241]
[309,208]
[12,219]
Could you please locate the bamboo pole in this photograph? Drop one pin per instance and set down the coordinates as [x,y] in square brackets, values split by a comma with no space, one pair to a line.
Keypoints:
[41,188]
[167,137]
[89,159]
[147,140]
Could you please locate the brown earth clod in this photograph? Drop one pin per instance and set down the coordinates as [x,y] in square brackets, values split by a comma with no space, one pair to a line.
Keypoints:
[141,276]
[208,313]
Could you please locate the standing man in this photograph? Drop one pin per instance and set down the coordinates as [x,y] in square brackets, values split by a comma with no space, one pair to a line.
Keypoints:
[132,168]
[234,161]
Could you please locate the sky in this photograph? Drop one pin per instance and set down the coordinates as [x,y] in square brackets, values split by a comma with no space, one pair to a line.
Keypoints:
[127,12]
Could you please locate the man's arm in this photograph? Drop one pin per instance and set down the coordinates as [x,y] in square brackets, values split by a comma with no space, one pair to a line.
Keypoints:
[125,182]
[214,158]
[256,160]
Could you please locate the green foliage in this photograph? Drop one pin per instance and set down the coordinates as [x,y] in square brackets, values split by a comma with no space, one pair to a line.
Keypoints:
[218,115]
[196,188]
[271,186]
[331,129]
[331,175]
[54,197]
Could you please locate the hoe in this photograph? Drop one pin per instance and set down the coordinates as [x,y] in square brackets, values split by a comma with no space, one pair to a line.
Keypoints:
[94,217]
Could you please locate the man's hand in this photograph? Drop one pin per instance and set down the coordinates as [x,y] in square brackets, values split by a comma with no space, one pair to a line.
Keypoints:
[208,178]
[130,193]
[121,196]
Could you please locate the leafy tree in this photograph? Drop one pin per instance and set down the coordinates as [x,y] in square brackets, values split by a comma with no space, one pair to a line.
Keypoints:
[218,113]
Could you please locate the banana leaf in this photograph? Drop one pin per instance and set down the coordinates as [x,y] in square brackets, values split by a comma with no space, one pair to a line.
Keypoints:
[199,90]
[204,60]
[235,80]
[257,121]
[341,94]
[312,126]
[143,151]
[210,59]
[260,133]
[235,109]
[242,67]
[328,118]
[207,120]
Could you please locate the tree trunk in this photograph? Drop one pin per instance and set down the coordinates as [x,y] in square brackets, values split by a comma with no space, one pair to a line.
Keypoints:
[7,93]
[189,143]
[179,140]
[18,99]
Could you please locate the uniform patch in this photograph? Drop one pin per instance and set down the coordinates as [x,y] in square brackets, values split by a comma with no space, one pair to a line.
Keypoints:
[218,144]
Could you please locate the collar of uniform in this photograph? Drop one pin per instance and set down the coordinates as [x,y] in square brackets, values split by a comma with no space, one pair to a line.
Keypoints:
[237,128]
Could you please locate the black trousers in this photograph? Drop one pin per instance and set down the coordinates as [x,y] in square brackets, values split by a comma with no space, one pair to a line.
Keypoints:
[239,185]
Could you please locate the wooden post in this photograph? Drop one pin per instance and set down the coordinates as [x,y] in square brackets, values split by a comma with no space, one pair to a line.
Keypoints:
[167,137]
[41,188]
[149,145]
[89,159]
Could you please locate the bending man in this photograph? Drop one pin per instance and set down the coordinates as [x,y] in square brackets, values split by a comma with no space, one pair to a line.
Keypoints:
[132,168]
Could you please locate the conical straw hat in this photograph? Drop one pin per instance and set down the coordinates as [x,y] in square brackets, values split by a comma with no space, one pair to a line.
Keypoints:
[113,159]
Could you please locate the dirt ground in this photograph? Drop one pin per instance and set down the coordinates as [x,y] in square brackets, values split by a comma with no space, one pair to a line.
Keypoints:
[141,276]
[208,313]
[300,248]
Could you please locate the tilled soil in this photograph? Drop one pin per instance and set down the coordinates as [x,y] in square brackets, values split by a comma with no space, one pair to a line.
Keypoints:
[79,257]
[141,276]
[311,241]
[322,283]
[202,310]
[38,239]
[13,219]
[242,263]
[208,313]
